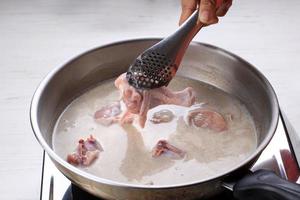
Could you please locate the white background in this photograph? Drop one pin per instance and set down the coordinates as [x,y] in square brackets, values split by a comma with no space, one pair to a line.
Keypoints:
[37,36]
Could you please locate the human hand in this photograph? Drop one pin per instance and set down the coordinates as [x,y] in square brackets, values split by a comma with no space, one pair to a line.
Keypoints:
[209,10]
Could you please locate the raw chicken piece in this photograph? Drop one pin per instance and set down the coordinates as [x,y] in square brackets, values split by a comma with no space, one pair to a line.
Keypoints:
[108,114]
[131,97]
[162,116]
[206,118]
[163,146]
[139,102]
[87,151]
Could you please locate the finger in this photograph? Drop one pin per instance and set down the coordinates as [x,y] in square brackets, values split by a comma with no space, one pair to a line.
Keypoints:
[219,3]
[222,10]
[207,11]
[188,7]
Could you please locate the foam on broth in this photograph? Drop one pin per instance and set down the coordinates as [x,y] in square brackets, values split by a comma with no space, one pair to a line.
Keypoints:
[127,150]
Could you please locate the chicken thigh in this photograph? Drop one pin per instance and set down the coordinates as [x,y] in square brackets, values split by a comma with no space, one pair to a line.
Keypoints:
[139,102]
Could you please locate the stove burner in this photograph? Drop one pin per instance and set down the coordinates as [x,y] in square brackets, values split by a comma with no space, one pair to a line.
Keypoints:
[278,156]
[75,193]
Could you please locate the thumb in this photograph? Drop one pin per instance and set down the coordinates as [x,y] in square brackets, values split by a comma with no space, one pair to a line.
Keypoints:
[188,7]
[207,12]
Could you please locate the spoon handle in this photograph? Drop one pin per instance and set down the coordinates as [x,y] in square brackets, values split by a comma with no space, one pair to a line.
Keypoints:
[176,44]
[185,34]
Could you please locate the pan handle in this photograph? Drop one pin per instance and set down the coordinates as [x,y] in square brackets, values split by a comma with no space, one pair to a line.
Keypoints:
[265,185]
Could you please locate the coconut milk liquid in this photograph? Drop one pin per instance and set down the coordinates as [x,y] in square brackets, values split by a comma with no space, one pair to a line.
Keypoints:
[127,150]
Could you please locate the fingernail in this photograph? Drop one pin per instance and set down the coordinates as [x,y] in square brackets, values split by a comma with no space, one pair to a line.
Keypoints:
[204,16]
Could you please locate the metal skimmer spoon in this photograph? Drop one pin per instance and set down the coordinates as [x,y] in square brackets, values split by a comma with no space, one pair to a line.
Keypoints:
[156,66]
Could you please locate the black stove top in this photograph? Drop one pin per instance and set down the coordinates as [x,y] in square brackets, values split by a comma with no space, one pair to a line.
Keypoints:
[277,157]
[75,193]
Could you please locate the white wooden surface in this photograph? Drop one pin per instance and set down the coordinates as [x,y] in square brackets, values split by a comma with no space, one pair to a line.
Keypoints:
[37,36]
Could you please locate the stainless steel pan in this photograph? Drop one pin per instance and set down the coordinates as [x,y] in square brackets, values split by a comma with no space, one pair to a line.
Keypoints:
[202,62]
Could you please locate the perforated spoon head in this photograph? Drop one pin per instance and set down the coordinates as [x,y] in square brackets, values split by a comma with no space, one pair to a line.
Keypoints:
[151,69]
[156,66]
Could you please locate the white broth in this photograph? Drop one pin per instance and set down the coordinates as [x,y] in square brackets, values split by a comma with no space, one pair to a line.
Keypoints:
[126,155]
